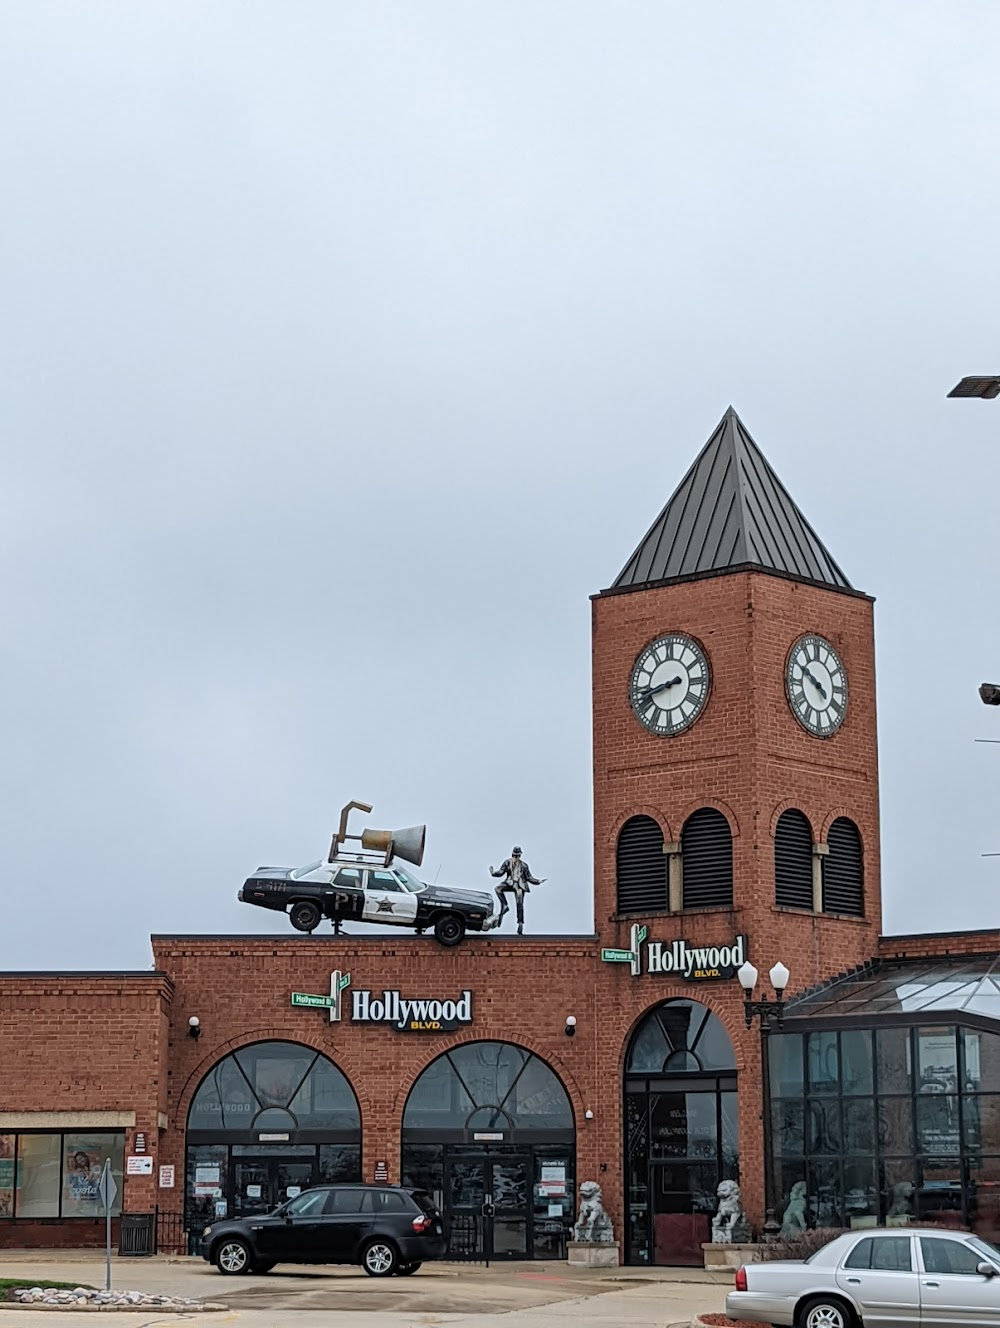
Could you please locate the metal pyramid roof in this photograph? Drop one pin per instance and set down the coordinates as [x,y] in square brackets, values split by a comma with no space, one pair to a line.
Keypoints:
[730,510]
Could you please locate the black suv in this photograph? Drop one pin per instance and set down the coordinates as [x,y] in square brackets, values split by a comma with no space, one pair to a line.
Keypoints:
[383,1227]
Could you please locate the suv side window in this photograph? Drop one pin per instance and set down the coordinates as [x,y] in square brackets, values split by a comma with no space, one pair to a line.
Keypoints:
[345,1201]
[385,1201]
[310,1202]
[947,1256]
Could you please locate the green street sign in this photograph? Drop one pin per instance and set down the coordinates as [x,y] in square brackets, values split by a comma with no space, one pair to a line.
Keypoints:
[344,980]
[618,956]
[641,934]
[317,1002]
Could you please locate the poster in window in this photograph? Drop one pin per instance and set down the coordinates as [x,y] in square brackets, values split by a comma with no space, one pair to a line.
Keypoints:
[83,1162]
[6,1175]
[937,1053]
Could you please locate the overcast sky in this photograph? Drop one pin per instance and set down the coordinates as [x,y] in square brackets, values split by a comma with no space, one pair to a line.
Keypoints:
[348,348]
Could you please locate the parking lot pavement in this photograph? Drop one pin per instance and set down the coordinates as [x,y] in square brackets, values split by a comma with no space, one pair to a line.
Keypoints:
[536,1295]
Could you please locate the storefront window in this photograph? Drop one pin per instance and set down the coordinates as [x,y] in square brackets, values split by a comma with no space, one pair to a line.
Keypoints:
[887,1138]
[57,1175]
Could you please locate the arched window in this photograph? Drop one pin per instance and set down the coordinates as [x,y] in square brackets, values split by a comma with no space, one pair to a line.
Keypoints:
[793,860]
[279,1086]
[707,858]
[487,1087]
[843,870]
[641,867]
[679,1036]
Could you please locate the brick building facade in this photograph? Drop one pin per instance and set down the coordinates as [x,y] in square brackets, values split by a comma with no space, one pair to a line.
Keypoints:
[722,818]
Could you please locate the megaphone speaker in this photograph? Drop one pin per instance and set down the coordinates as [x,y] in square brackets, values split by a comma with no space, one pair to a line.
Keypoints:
[408,843]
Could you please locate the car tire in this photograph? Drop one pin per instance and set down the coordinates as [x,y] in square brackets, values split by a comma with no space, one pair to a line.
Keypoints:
[305,915]
[379,1258]
[232,1257]
[264,1266]
[407,1269]
[449,929]
[825,1312]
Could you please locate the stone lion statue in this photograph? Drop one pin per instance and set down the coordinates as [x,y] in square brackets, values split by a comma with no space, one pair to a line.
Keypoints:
[794,1217]
[729,1222]
[593,1226]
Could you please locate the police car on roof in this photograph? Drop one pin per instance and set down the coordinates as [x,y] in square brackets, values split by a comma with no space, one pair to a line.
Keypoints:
[370,885]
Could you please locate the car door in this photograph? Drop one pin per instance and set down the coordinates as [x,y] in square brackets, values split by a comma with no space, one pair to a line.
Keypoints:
[952,1291]
[347,899]
[386,901]
[879,1274]
[293,1234]
[343,1224]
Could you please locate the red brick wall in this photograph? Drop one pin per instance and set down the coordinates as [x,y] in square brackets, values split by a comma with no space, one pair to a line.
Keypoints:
[84,1043]
[747,756]
[939,943]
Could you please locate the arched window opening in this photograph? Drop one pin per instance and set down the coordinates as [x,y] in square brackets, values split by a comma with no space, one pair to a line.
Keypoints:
[707,859]
[793,860]
[641,867]
[843,870]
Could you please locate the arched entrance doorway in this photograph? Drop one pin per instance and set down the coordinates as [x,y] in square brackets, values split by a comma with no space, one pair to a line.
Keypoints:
[267,1121]
[486,1126]
[681,1131]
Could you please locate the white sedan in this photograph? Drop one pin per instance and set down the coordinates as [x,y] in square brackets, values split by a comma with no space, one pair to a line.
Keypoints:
[879,1278]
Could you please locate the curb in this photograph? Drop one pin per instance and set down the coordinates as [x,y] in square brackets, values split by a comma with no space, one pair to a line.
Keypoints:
[208,1306]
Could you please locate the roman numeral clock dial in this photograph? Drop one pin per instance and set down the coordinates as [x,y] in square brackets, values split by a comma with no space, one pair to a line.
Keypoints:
[816,686]
[669,685]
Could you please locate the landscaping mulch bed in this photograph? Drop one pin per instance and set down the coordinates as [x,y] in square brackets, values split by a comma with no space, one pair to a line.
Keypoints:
[724,1321]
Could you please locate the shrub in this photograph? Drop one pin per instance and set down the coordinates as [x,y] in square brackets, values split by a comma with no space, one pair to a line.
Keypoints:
[801,1245]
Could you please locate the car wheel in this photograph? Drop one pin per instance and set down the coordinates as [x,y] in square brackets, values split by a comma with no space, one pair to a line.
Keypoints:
[305,916]
[825,1312]
[233,1256]
[379,1258]
[449,929]
[407,1269]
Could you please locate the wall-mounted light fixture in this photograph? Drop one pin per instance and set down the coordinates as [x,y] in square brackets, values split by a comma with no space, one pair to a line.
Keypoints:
[194,1027]
[588,1114]
[570,1025]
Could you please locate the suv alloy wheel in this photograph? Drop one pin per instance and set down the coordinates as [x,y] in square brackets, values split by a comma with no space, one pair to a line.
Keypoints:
[379,1258]
[233,1256]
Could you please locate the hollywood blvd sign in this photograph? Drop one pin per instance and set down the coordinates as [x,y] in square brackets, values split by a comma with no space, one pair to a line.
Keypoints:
[693,963]
[406,1014]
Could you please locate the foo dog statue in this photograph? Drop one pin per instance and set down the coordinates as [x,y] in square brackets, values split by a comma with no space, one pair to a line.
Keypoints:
[729,1223]
[593,1226]
[794,1218]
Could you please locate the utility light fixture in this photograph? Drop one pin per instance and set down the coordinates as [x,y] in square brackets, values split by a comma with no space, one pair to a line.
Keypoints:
[987,387]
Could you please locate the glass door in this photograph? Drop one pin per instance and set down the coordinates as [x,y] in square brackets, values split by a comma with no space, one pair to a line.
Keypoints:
[489,1207]
[260,1184]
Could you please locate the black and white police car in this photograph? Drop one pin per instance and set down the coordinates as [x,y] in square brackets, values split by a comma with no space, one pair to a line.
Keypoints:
[371,885]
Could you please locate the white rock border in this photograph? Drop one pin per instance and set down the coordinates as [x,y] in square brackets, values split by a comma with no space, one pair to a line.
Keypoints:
[83,1301]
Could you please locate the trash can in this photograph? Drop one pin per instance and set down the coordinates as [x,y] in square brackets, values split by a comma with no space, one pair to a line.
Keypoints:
[135,1233]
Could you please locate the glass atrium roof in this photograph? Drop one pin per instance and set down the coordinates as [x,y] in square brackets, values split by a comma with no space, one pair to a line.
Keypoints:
[964,985]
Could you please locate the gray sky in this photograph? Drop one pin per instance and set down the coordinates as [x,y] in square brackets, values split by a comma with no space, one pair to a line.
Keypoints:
[347,348]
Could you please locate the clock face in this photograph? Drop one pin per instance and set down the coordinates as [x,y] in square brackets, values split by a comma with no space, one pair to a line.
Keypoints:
[669,685]
[816,685]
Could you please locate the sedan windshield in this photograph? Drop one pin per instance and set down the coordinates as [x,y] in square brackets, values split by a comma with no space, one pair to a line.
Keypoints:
[299,872]
[407,881]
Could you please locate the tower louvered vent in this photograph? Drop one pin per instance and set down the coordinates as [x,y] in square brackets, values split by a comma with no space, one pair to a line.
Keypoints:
[641,867]
[843,870]
[707,856]
[793,854]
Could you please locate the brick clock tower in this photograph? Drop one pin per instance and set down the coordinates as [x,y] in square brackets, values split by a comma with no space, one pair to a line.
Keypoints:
[735,764]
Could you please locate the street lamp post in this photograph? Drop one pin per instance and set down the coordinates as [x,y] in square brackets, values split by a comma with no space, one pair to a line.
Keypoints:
[767,1011]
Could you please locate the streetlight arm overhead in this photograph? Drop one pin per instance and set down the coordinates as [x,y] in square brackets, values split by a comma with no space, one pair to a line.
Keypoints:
[985,386]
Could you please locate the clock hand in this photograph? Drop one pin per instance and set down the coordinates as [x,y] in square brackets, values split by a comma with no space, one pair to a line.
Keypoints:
[660,687]
[818,685]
